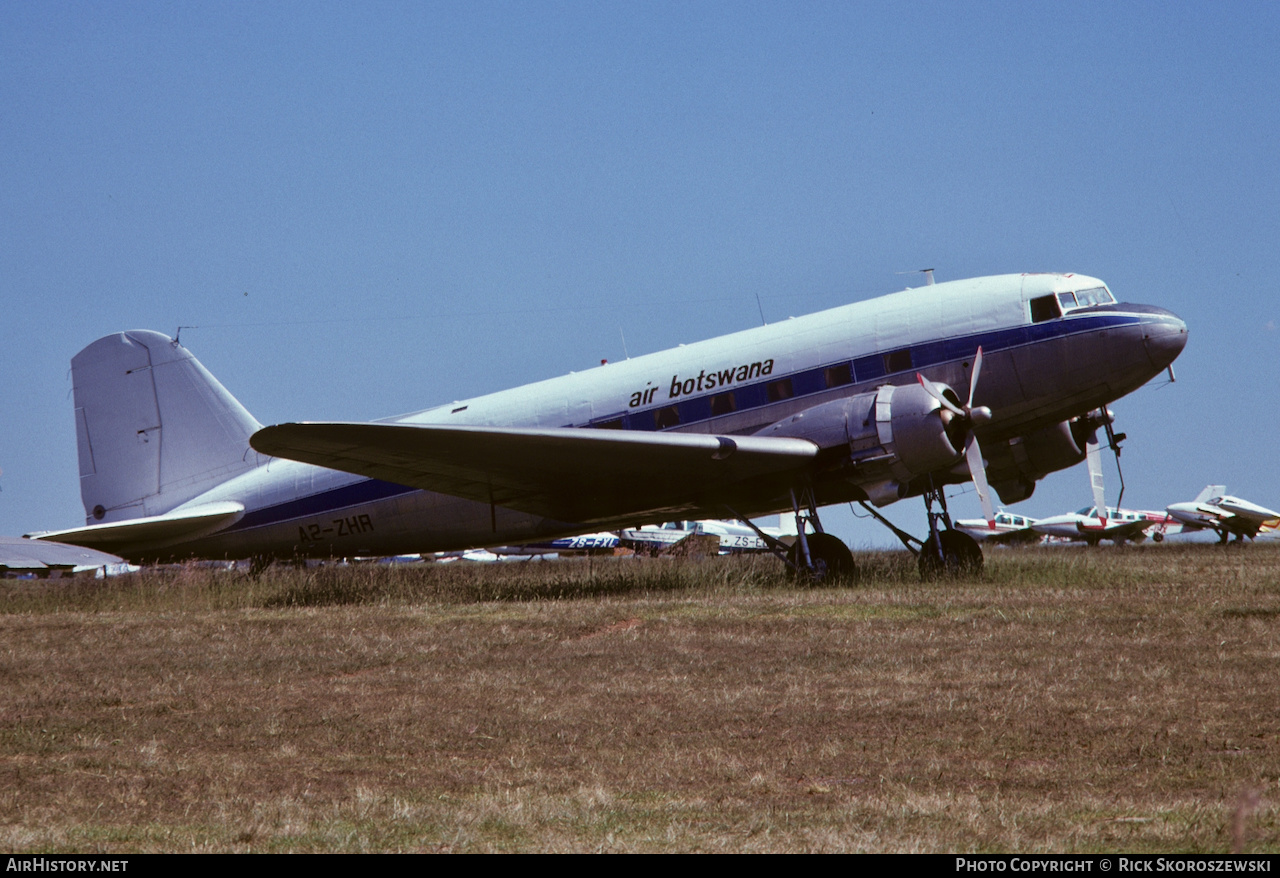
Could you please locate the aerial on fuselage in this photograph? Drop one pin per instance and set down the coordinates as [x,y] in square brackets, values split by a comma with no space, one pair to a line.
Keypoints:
[851,404]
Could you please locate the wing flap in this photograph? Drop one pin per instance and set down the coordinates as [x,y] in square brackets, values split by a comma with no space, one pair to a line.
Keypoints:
[579,475]
[151,532]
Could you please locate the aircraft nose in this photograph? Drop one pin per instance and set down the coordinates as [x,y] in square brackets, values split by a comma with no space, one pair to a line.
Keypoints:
[1165,335]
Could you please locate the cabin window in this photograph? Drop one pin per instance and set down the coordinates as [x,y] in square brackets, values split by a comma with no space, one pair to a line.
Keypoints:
[611,424]
[779,390]
[1044,308]
[723,404]
[897,361]
[667,417]
[838,376]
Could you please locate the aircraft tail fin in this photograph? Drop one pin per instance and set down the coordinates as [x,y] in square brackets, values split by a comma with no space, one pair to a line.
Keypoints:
[153,428]
[787,524]
[1210,491]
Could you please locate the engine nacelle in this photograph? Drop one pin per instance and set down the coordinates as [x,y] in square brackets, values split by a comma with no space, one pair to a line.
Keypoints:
[1014,468]
[891,435]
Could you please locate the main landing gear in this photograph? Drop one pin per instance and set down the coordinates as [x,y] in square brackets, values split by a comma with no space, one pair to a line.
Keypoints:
[820,557]
[814,557]
[947,553]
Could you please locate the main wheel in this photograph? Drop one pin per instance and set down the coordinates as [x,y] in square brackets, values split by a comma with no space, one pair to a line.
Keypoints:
[960,556]
[831,559]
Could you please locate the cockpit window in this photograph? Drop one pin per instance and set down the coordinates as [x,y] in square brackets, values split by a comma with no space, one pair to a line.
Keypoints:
[1096,296]
[1086,298]
[1044,308]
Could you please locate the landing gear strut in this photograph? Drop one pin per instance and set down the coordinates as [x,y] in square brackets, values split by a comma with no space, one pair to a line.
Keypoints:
[813,557]
[818,556]
[947,553]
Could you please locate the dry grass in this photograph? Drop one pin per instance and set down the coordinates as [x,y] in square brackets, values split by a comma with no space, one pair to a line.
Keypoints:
[1071,700]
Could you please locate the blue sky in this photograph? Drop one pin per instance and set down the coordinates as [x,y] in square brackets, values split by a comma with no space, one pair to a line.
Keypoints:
[365,209]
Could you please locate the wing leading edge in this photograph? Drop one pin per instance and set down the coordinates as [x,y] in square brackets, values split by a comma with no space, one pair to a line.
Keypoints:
[569,474]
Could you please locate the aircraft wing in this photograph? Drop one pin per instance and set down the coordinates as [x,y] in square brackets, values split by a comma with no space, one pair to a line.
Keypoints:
[1126,530]
[154,531]
[569,474]
[1015,537]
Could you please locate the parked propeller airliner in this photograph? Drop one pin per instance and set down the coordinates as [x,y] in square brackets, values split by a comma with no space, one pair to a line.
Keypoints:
[854,403]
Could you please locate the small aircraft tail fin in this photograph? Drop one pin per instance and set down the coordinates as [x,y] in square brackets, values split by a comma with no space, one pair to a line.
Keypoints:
[153,428]
[1210,491]
[787,524]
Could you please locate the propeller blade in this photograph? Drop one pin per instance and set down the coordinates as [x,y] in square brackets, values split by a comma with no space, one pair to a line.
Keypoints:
[978,470]
[936,394]
[1093,454]
[973,379]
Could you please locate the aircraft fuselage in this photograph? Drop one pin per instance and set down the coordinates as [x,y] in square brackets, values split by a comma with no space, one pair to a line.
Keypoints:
[1043,365]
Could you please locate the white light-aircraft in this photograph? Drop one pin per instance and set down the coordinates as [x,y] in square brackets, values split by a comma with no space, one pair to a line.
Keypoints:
[1214,509]
[850,404]
[733,537]
[1118,525]
[1008,527]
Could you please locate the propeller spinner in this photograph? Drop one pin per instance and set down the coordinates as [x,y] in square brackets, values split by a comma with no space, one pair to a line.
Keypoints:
[967,418]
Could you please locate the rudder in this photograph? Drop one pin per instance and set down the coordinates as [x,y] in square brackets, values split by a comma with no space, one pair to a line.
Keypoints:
[153,427]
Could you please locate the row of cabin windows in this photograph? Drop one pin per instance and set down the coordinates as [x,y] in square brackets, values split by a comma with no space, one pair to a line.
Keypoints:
[744,398]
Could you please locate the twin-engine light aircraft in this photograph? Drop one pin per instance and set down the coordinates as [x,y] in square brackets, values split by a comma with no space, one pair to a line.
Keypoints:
[1008,527]
[1215,509]
[851,404]
[734,538]
[1117,525]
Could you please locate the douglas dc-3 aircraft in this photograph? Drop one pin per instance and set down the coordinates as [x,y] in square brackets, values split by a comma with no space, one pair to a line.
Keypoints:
[854,403]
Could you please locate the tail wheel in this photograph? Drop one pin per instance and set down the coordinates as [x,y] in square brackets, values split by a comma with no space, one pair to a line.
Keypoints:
[831,559]
[960,557]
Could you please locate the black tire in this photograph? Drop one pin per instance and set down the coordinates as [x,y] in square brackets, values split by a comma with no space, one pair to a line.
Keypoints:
[832,560]
[961,557]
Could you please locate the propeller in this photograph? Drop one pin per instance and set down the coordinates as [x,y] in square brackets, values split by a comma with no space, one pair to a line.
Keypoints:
[967,418]
[1102,417]
[1093,456]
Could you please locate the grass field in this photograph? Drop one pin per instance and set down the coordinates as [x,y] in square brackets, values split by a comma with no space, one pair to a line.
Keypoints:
[1069,700]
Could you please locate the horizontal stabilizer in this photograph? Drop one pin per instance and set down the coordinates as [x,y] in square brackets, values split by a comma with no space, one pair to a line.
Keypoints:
[23,555]
[568,474]
[152,532]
